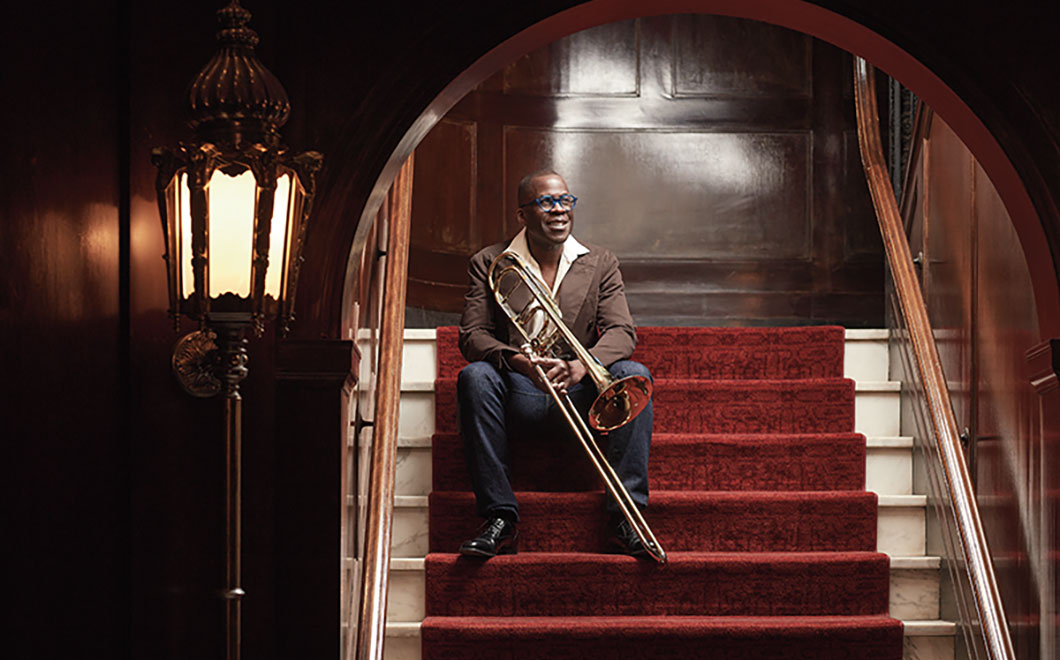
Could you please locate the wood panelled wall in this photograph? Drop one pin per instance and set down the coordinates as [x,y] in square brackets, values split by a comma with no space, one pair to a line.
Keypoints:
[725,177]
[980,298]
[63,325]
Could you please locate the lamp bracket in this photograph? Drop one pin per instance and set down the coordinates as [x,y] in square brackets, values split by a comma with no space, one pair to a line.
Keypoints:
[195,362]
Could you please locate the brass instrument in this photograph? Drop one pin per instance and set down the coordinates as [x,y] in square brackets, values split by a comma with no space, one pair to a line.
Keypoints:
[538,319]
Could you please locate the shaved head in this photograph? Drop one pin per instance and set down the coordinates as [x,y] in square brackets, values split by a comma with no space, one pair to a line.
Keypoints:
[526,184]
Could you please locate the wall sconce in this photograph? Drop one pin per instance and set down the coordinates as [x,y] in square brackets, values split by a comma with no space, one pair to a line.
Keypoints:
[234,204]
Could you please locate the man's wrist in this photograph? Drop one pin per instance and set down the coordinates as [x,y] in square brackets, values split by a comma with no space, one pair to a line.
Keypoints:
[519,363]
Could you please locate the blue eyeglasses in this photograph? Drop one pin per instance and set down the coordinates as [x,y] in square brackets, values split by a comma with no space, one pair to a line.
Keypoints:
[548,203]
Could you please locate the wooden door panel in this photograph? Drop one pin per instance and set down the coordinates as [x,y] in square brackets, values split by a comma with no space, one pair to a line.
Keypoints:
[722,56]
[668,195]
[600,61]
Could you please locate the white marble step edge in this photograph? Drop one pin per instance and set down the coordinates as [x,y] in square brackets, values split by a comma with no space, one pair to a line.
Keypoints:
[857,334]
[936,628]
[859,386]
[924,640]
[903,501]
[897,563]
[886,442]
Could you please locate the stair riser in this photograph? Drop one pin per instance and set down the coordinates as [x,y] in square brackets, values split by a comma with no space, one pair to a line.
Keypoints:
[683,522]
[689,585]
[557,463]
[900,531]
[888,471]
[915,647]
[864,359]
[876,414]
[496,641]
[780,406]
[913,594]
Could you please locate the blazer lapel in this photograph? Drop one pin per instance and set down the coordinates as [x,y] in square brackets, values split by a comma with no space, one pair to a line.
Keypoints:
[574,290]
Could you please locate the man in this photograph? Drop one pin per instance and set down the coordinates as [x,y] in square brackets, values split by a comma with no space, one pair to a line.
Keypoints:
[500,389]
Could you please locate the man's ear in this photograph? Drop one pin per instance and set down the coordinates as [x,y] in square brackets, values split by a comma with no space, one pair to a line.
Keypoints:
[520,216]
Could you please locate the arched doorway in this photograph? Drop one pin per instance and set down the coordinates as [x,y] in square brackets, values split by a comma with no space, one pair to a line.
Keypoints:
[809,19]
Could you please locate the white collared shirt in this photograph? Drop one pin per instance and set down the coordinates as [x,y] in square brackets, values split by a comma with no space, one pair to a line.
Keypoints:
[572,249]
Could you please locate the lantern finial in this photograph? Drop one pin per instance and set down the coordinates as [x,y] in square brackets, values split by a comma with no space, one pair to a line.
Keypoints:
[234,99]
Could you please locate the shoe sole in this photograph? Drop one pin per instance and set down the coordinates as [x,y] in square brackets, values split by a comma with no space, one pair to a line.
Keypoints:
[472,552]
[617,547]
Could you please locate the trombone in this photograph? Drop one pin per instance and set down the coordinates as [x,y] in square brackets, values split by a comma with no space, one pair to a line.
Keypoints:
[538,319]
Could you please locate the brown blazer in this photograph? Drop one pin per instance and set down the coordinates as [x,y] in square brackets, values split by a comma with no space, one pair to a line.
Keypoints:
[591,297]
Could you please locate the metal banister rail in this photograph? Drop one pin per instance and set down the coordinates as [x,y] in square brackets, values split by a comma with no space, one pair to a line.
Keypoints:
[370,626]
[988,610]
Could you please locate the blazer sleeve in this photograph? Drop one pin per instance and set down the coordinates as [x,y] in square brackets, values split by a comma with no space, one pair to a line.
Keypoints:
[618,335]
[478,335]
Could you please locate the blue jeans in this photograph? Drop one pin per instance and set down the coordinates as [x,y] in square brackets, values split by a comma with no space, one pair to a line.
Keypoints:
[492,401]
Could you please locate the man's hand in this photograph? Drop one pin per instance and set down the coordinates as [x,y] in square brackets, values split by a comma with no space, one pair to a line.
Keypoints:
[563,374]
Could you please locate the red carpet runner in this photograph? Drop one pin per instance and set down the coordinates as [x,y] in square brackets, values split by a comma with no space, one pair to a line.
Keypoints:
[757,495]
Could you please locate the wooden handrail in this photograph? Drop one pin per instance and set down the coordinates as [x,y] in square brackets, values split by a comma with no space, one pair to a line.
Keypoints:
[371,619]
[989,610]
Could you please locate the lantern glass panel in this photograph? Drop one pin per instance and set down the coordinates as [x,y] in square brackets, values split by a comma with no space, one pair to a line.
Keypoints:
[278,233]
[295,207]
[182,216]
[231,232]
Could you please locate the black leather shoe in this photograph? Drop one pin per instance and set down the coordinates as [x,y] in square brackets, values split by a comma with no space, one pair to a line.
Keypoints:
[497,536]
[625,540]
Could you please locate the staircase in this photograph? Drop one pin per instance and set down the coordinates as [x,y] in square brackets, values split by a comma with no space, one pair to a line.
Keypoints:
[913,577]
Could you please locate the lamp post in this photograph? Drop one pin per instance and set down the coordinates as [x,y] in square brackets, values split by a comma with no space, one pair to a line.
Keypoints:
[234,204]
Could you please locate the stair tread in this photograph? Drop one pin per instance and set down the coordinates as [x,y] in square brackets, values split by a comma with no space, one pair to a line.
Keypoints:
[918,628]
[417,385]
[926,562]
[676,557]
[418,501]
[850,334]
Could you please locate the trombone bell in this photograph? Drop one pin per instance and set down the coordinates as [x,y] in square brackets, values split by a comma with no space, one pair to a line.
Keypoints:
[619,403]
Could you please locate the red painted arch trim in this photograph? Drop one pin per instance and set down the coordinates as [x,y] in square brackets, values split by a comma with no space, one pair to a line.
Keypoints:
[818,22]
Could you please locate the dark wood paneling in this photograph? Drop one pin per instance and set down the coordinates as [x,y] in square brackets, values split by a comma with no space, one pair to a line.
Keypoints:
[861,233]
[980,298]
[600,61]
[1014,466]
[712,57]
[63,331]
[948,260]
[444,201]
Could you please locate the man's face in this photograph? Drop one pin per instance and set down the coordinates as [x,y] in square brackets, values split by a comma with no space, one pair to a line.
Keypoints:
[550,229]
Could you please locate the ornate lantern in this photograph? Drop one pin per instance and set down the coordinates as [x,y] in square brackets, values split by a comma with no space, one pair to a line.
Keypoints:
[234,204]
